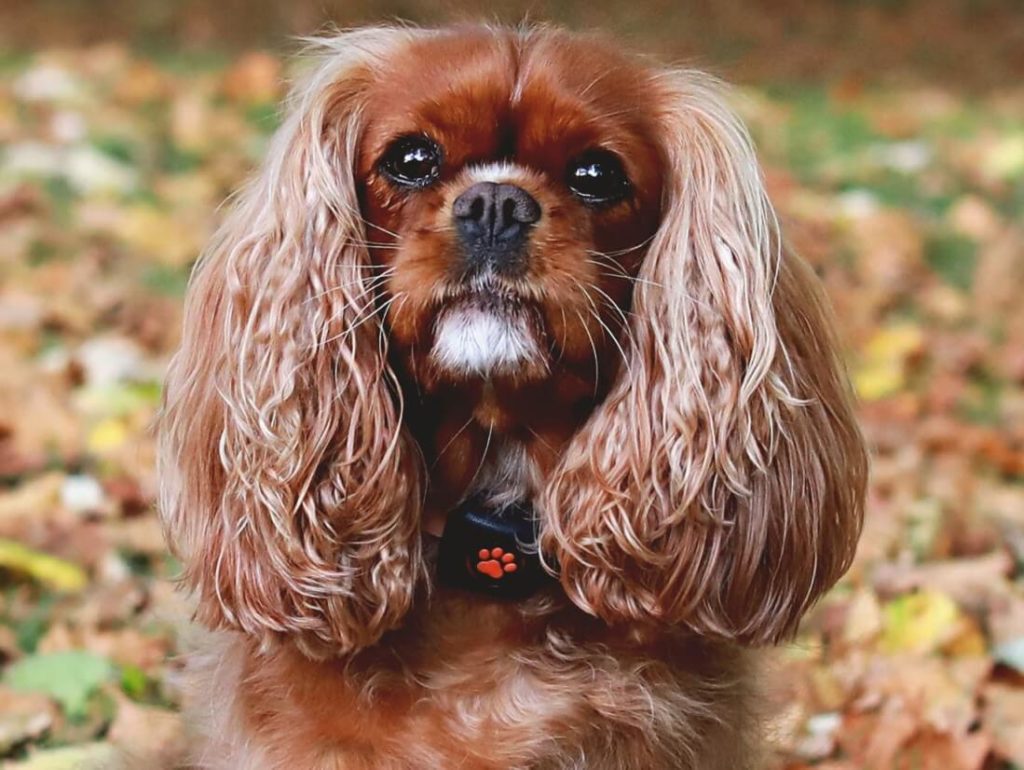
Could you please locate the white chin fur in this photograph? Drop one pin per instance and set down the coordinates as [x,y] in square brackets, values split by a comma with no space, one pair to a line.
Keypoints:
[478,342]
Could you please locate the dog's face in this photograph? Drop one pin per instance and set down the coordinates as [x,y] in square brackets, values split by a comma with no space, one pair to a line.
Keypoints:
[492,215]
[511,188]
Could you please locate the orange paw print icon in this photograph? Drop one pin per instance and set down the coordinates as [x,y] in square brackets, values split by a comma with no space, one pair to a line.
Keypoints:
[495,563]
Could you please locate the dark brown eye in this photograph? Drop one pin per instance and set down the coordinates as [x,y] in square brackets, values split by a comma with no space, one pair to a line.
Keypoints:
[412,161]
[597,177]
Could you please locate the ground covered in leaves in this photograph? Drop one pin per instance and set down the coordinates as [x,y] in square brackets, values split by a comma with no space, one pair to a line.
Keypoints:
[907,200]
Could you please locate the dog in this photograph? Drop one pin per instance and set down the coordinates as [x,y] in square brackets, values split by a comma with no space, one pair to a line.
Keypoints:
[505,427]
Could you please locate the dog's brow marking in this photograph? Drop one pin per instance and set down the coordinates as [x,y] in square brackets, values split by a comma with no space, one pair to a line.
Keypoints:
[499,172]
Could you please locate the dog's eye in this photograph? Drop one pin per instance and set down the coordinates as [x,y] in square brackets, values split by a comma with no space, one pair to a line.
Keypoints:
[597,177]
[412,161]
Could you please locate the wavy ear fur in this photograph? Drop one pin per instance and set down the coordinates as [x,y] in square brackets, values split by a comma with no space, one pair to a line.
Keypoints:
[720,485]
[289,488]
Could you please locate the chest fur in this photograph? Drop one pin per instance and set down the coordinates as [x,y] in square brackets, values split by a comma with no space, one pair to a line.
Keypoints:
[475,684]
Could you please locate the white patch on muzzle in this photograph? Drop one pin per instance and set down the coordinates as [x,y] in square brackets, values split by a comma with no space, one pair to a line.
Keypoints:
[475,341]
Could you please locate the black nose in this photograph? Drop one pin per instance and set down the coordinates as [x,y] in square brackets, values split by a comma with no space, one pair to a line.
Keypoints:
[494,219]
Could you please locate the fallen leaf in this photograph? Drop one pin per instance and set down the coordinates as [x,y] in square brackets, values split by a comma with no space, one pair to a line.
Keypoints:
[24,717]
[31,498]
[919,622]
[1004,158]
[88,756]
[1004,716]
[54,572]
[255,77]
[972,583]
[863,620]
[883,368]
[70,678]
[148,736]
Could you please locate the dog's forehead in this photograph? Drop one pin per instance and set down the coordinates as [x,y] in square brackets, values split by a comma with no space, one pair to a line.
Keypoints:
[473,87]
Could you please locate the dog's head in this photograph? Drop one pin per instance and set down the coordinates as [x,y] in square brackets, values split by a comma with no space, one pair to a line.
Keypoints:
[530,211]
[511,184]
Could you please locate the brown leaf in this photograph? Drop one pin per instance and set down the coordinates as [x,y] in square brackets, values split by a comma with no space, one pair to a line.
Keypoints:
[973,583]
[890,253]
[24,717]
[148,736]
[1003,715]
[930,750]
[255,77]
[999,278]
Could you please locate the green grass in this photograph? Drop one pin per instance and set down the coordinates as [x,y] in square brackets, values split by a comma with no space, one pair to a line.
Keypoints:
[953,258]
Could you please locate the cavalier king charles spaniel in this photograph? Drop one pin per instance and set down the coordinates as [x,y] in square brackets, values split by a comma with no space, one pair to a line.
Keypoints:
[504,424]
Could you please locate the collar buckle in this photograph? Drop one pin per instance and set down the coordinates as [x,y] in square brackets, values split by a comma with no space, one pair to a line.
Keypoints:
[491,551]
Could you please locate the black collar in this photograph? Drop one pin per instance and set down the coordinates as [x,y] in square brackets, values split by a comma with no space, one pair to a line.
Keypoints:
[491,550]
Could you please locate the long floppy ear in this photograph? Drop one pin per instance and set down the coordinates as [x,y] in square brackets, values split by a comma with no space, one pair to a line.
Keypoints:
[720,485]
[288,486]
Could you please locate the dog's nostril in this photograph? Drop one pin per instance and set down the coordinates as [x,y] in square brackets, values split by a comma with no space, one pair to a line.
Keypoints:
[488,213]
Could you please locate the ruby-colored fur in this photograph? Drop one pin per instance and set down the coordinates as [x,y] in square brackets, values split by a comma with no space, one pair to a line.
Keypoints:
[684,434]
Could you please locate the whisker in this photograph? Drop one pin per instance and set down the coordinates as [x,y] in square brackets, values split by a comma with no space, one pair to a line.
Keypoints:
[593,349]
[384,230]
[483,457]
[382,335]
[617,270]
[565,334]
[597,317]
[605,261]
[615,341]
[627,277]
[364,319]
[540,438]
[451,441]
[611,304]
[373,283]
[627,250]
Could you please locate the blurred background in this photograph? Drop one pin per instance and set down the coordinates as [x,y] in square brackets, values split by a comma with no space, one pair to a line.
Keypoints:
[892,135]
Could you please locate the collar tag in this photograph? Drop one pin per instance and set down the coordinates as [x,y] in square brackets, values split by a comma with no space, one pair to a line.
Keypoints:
[491,552]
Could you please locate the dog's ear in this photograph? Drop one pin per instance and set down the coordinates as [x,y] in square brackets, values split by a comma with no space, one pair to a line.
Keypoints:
[720,485]
[288,487]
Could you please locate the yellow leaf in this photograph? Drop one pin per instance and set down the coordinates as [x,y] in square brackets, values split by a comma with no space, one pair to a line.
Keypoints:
[153,233]
[87,756]
[919,623]
[878,380]
[107,435]
[969,641]
[895,343]
[33,498]
[883,368]
[56,573]
[1005,158]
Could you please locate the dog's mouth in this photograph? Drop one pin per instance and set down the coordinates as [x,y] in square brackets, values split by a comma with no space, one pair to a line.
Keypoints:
[486,294]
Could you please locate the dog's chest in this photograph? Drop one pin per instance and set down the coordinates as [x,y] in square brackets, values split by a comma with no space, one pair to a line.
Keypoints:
[467,684]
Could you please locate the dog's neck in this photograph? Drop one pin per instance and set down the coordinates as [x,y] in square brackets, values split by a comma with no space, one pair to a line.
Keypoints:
[506,474]
[492,443]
